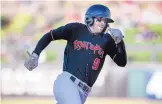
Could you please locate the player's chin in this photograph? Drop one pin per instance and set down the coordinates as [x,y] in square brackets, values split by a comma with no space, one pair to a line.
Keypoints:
[100,30]
[97,31]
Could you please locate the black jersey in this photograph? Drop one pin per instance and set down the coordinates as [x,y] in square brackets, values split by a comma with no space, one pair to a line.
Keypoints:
[85,52]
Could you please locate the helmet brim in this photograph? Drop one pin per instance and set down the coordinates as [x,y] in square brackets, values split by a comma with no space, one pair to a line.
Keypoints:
[110,20]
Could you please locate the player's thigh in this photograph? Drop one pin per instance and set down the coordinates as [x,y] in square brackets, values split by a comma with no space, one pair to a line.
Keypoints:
[66,92]
[83,96]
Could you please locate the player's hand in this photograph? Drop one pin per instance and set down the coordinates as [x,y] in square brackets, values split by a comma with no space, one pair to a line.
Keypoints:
[32,62]
[116,34]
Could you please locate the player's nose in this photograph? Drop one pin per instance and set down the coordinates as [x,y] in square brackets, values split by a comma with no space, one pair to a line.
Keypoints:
[102,24]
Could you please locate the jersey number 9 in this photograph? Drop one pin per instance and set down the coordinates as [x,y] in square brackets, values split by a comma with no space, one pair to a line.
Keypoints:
[96,64]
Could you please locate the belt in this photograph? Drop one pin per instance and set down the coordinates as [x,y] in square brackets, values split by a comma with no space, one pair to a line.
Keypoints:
[83,86]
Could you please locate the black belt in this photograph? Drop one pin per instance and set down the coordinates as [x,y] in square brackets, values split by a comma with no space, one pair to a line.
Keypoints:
[81,85]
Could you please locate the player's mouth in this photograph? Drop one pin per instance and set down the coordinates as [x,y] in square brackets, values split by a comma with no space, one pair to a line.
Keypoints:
[101,27]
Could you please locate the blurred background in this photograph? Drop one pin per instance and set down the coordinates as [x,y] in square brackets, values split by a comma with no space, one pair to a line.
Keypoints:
[24,22]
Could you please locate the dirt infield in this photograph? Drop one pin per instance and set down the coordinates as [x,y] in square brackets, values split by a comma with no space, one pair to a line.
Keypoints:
[89,101]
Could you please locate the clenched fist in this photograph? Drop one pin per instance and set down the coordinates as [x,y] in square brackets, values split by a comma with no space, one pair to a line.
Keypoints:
[116,34]
[32,62]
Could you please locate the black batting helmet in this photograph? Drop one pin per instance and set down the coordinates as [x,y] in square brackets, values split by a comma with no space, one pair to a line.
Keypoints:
[97,10]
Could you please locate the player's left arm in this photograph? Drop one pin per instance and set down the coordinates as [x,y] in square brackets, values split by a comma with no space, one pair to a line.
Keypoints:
[116,49]
[119,55]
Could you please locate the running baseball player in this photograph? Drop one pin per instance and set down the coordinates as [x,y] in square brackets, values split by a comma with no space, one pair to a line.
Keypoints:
[84,55]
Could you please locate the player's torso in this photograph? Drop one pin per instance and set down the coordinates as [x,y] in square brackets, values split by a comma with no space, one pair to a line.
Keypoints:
[85,54]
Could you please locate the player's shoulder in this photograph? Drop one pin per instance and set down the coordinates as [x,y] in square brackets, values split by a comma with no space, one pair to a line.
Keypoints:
[107,37]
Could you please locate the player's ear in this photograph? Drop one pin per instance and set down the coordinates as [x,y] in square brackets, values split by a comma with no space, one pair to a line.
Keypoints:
[89,20]
[92,22]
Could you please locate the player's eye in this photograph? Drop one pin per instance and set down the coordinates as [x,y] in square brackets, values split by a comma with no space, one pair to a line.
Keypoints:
[99,19]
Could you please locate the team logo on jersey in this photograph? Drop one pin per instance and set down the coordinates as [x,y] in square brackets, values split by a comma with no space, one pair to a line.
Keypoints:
[88,46]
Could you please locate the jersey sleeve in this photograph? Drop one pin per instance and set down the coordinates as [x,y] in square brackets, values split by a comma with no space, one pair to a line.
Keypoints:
[64,32]
[111,49]
[117,53]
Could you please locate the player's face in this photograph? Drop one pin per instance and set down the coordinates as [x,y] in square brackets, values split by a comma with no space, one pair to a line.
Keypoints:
[99,24]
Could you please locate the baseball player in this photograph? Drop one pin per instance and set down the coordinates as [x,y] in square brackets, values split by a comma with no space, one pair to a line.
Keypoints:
[84,55]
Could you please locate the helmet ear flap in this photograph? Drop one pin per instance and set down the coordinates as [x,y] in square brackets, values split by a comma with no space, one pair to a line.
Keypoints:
[89,20]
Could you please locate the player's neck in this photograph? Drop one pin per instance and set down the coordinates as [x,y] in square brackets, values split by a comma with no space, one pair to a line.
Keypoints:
[92,30]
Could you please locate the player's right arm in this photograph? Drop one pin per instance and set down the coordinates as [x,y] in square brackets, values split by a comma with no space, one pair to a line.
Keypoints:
[63,32]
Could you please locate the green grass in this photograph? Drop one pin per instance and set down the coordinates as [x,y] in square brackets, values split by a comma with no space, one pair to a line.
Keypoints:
[159,57]
[131,32]
[130,35]
[139,56]
[144,56]
[51,56]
